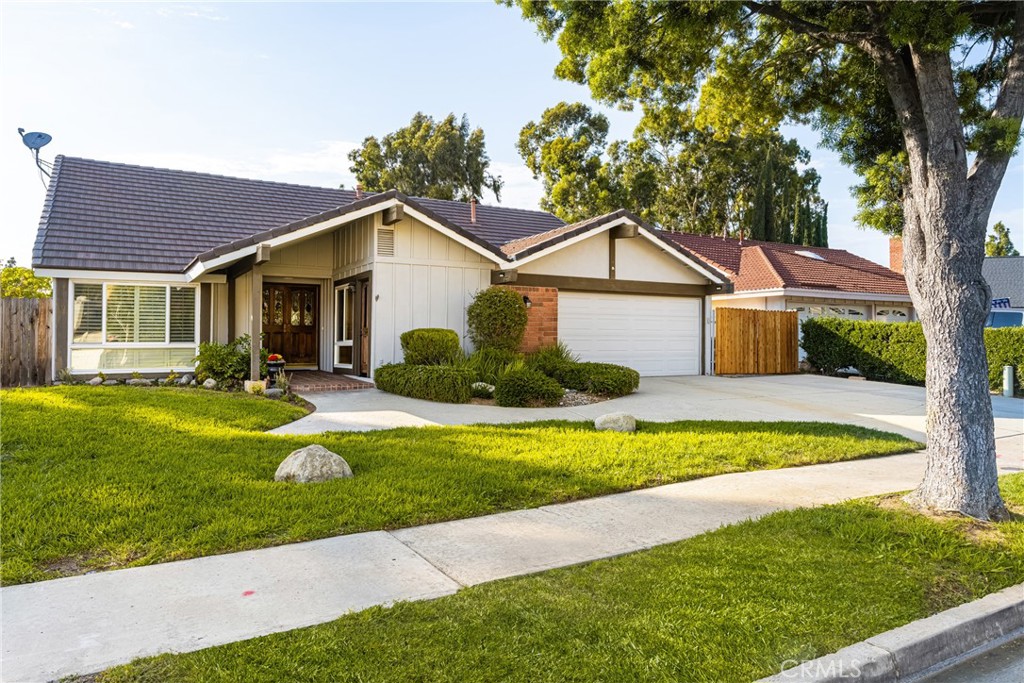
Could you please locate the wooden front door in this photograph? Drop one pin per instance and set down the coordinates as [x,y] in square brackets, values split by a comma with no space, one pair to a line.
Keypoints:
[290,322]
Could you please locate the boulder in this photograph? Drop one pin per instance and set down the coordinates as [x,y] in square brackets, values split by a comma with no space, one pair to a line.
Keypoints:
[111,383]
[312,463]
[185,380]
[616,422]
[139,382]
[273,393]
[211,383]
[96,381]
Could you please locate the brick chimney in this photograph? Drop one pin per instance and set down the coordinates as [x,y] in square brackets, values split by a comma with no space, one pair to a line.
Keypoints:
[472,209]
[896,254]
[359,190]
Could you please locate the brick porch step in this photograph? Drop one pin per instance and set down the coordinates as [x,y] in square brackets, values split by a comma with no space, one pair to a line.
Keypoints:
[306,381]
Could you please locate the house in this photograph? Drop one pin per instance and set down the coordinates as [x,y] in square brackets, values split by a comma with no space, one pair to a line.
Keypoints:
[147,263]
[1005,277]
[814,281]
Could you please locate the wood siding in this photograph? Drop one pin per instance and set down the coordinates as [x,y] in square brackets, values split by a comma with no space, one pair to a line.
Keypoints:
[752,342]
[26,341]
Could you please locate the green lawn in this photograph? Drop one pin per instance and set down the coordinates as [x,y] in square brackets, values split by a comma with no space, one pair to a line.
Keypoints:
[731,605]
[103,477]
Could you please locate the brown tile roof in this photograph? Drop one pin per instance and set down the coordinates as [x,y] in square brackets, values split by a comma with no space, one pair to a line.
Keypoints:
[755,265]
[100,215]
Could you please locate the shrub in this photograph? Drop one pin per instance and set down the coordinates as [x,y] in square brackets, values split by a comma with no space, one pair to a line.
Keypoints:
[550,358]
[600,379]
[444,383]
[487,365]
[527,388]
[497,319]
[481,390]
[431,346]
[896,352]
[227,363]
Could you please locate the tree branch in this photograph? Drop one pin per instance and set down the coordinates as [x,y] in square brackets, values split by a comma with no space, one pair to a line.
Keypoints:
[801,25]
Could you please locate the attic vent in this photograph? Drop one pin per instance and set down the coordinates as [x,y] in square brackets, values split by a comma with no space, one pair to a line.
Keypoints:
[385,242]
[811,254]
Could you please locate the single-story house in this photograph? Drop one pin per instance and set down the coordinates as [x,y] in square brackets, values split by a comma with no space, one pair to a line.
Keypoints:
[814,281]
[1005,277]
[147,263]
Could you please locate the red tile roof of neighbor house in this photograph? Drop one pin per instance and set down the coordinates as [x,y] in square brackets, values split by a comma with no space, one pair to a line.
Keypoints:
[755,265]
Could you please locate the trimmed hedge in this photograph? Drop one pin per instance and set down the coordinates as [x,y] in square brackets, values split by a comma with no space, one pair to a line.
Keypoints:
[600,379]
[895,352]
[497,319]
[431,346]
[526,388]
[443,383]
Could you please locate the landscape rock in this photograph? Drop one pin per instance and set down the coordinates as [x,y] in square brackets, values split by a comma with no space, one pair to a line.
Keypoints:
[139,382]
[111,383]
[312,463]
[96,381]
[273,393]
[210,384]
[616,422]
[185,380]
[192,383]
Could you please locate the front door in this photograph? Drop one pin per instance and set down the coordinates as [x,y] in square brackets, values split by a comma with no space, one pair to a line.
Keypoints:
[364,329]
[290,321]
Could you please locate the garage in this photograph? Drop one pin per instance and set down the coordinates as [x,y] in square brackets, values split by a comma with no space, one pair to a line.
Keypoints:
[655,335]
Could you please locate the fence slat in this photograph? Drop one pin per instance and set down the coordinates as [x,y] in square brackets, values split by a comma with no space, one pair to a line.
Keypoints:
[25,334]
[753,342]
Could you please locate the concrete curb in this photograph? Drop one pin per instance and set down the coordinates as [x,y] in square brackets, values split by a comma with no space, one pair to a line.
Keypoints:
[921,648]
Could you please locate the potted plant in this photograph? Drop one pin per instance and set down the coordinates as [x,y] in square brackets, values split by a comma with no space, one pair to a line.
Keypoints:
[275,366]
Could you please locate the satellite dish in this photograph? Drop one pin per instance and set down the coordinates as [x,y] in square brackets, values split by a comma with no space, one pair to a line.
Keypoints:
[35,141]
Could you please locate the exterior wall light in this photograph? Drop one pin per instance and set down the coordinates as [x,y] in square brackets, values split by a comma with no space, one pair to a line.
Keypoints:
[526,301]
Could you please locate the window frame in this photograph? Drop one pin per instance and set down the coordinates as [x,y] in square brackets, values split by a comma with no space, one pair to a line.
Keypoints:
[165,344]
[341,297]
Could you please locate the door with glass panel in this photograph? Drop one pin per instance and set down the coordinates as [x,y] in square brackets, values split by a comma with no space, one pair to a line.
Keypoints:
[345,327]
[290,322]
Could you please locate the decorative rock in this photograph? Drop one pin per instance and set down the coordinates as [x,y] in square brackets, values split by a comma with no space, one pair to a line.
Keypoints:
[185,380]
[139,382]
[273,393]
[616,422]
[311,464]
[56,384]
[96,381]
[192,383]
[211,383]
[111,383]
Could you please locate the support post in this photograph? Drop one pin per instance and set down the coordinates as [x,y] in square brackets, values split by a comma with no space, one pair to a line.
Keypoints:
[256,322]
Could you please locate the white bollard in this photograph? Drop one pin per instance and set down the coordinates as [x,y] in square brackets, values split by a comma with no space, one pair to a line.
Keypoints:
[1008,381]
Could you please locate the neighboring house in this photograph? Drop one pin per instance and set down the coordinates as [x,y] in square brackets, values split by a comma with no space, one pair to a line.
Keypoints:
[1005,276]
[814,281]
[147,263]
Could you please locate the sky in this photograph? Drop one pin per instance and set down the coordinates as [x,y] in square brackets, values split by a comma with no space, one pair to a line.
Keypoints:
[283,91]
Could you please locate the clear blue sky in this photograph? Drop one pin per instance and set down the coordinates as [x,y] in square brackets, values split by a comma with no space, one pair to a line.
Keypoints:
[284,91]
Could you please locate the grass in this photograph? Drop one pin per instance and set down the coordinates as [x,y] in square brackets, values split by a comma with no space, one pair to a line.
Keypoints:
[731,605]
[104,477]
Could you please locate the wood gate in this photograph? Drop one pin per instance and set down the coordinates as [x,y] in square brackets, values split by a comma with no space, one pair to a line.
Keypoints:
[24,342]
[751,342]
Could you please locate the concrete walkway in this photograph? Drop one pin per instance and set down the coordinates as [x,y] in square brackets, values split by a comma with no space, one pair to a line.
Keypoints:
[83,624]
[891,407]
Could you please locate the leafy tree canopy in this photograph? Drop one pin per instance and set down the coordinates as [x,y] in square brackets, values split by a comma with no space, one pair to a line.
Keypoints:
[17,282]
[675,174]
[443,159]
[998,243]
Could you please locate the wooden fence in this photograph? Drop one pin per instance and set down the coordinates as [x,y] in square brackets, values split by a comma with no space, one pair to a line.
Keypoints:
[751,342]
[25,342]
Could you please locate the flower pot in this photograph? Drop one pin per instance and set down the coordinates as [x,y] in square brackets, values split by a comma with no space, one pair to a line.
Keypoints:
[274,367]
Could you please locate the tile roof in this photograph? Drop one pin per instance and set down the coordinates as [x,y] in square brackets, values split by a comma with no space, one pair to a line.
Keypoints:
[100,215]
[756,265]
[525,245]
[1005,275]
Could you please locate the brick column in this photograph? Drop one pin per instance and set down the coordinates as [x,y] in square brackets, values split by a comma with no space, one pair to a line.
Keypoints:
[542,317]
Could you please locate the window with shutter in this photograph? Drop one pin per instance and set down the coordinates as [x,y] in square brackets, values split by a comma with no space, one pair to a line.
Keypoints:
[183,314]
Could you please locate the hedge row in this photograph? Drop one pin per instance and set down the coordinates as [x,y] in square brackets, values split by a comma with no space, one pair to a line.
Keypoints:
[443,383]
[431,346]
[895,352]
[526,388]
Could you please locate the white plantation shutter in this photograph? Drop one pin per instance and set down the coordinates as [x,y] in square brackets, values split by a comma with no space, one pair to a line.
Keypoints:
[136,313]
[183,314]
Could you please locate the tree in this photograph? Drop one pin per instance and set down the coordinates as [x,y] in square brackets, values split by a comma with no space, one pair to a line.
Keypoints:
[999,242]
[672,173]
[17,282]
[439,159]
[934,89]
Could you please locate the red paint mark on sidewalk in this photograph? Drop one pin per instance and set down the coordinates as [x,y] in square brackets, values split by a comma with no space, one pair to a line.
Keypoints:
[246,594]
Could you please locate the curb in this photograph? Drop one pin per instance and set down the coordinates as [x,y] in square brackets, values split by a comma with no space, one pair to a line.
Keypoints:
[921,648]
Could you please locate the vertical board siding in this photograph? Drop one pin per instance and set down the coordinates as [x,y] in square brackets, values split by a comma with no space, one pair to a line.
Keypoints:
[753,342]
[25,342]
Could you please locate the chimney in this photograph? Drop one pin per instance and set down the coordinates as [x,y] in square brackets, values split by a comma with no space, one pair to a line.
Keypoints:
[472,209]
[359,190]
[896,254]
[741,234]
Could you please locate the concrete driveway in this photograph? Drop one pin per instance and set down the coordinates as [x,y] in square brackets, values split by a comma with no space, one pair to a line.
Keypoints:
[892,407]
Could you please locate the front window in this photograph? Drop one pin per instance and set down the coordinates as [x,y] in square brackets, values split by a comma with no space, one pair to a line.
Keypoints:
[344,325]
[129,327]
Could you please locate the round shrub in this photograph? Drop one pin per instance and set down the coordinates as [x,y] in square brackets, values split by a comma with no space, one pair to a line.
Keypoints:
[444,383]
[526,388]
[431,346]
[600,379]
[497,319]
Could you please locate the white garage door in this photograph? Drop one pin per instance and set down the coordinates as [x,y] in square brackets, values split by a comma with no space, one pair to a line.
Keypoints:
[655,335]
